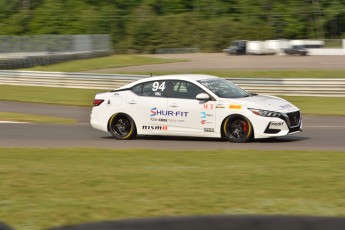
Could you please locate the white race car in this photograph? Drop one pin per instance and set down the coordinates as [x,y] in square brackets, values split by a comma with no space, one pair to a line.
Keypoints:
[192,105]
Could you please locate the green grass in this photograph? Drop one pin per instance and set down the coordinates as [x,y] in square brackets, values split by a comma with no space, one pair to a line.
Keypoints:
[319,105]
[84,97]
[41,188]
[114,61]
[117,61]
[22,117]
[258,73]
[48,95]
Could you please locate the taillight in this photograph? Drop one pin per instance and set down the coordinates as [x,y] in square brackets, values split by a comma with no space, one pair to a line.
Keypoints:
[97,102]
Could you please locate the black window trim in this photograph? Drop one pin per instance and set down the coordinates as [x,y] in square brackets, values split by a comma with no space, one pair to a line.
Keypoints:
[168,93]
[170,96]
[169,89]
[141,90]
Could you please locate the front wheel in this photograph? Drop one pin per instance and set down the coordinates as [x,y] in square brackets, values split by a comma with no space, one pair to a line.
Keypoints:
[122,127]
[238,129]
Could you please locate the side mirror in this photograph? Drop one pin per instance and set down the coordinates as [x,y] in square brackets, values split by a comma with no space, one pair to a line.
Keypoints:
[203,97]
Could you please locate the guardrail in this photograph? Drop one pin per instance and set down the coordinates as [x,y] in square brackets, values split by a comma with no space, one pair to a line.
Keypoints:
[34,59]
[330,87]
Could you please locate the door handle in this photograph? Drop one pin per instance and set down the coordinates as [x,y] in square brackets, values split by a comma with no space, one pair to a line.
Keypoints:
[132,102]
[174,105]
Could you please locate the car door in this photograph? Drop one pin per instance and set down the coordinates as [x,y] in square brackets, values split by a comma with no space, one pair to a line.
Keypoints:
[148,105]
[189,115]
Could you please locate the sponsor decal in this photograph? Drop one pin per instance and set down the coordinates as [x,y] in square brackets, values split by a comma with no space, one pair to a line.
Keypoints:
[276,125]
[235,106]
[287,106]
[220,105]
[208,130]
[158,94]
[156,112]
[172,120]
[205,115]
[175,120]
[203,122]
[207,106]
[160,119]
[155,127]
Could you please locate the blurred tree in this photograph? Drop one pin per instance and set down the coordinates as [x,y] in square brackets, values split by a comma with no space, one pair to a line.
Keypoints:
[146,25]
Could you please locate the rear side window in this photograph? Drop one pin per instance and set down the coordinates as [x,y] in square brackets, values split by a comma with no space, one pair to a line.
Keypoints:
[155,89]
[137,89]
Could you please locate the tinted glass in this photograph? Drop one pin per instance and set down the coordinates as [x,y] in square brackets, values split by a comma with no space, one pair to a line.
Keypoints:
[183,89]
[223,88]
[155,89]
[137,89]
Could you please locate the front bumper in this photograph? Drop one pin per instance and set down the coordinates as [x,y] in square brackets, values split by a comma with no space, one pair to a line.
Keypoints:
[265,127]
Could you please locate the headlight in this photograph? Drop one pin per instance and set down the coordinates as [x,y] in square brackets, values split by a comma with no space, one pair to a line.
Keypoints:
[265,113]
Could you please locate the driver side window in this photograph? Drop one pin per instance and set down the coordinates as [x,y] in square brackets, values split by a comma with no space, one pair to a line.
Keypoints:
[185,90]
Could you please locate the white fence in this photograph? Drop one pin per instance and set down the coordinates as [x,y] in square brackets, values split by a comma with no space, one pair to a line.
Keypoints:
[323,51]
[330,87]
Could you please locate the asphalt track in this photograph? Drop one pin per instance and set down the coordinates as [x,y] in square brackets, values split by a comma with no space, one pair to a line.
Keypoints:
[320,133]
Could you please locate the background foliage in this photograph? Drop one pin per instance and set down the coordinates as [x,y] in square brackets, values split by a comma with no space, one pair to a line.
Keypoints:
[146,25]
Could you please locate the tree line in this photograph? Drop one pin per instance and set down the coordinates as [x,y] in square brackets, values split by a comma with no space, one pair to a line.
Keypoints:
[146,25]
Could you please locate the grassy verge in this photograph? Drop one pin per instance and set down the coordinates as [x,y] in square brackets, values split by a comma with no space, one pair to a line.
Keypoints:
[4,116]
[318,105]
[117,61]
[48,95]
[54,187]
[114,61]
[259,73]
[84,97]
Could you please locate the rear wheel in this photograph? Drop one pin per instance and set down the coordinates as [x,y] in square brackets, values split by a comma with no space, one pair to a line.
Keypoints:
[122,127]
[238,129]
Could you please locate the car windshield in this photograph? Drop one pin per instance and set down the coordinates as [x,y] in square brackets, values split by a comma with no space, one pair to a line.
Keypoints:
[223,88]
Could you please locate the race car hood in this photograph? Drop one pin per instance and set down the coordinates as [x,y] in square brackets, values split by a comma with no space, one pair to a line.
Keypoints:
[265,102]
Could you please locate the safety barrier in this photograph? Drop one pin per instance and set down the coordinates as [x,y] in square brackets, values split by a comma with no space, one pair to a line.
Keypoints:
[330,87]
[48,59]
[239,222]
[212,222]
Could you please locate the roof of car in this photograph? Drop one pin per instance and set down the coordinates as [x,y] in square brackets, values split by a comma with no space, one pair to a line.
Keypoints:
[186,76]
[193,77]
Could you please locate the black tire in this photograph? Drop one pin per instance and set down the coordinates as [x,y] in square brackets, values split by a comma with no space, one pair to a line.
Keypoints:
[122,127]
[238,129]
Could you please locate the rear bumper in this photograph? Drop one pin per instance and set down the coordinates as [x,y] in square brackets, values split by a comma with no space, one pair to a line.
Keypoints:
[96,123]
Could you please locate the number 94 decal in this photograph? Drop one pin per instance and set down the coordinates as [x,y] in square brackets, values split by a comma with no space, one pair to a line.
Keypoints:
[156,86]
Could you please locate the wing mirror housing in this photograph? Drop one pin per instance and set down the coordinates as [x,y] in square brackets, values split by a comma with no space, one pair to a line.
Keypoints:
[203,97]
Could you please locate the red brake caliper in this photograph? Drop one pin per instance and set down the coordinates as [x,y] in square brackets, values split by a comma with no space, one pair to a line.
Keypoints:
[245,126]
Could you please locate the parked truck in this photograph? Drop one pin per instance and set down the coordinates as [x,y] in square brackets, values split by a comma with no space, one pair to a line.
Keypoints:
[270,47]
[241,47]
[238,47]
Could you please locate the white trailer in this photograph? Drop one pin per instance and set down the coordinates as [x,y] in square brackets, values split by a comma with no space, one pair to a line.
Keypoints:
[308,43]
[254,47]
[277,46]
[258,48]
